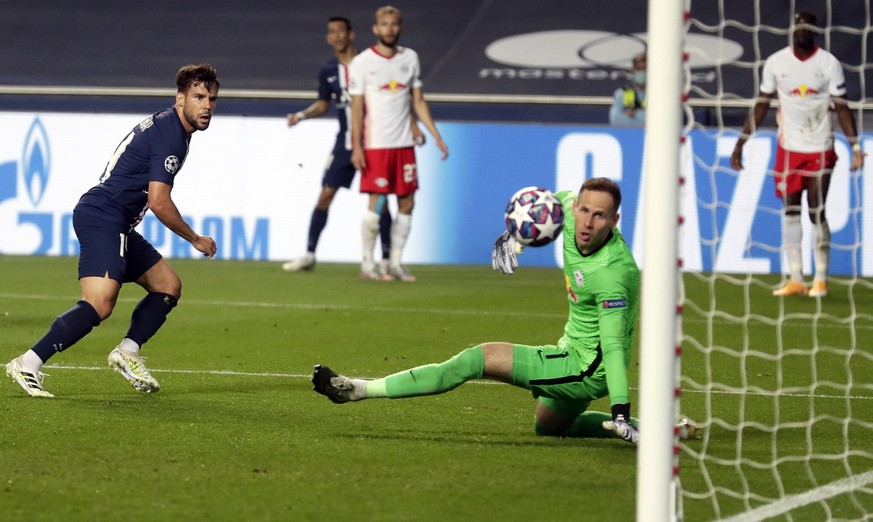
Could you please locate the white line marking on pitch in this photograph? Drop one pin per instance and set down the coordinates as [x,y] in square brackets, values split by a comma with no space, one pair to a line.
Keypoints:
[309,306]
[785,505]
[444,311]
[478,381]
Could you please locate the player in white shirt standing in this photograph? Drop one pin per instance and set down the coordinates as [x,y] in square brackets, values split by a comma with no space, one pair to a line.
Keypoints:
[807,79]
[384,85]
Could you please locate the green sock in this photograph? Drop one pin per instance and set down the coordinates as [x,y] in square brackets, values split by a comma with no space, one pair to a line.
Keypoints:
[431,379]
[590,424]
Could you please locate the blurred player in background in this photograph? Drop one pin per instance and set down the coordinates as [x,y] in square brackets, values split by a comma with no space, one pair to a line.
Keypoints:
[333,85]
[629,102]
[384,84]
[588,362]
[139,176]
[806,79]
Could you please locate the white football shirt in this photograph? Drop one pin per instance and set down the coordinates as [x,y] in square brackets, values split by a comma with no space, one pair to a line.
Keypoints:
[804,89]
[386,84]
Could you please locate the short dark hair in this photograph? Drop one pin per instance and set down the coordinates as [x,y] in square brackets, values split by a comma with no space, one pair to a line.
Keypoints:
[190,75]
[342,19]
[604,185]
[806,15]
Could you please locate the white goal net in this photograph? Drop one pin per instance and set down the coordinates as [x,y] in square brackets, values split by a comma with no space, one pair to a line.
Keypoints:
[781,387]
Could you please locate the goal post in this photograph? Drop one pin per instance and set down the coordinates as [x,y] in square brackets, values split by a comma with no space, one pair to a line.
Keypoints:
[656,483]
[780,386]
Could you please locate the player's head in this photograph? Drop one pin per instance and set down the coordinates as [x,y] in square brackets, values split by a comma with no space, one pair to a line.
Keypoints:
[388,25]
[193,74]
[804,28]
[196,94]
[339,33]
[596,213]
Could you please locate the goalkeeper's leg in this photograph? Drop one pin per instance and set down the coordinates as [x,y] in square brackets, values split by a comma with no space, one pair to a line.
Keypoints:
[430,379]
[488,360]
[562,418]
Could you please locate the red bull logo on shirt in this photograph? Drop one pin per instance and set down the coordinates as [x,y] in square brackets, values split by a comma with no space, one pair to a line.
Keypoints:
[803,91]
[393,86]
[570,288]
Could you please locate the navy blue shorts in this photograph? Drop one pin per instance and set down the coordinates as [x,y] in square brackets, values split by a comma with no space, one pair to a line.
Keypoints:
[339,172]
[104,248]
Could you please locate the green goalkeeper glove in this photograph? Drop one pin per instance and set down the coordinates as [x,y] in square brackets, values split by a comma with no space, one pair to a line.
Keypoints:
[504,256]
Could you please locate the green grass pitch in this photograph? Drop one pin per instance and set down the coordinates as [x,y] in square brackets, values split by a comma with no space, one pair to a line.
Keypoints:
[237,433]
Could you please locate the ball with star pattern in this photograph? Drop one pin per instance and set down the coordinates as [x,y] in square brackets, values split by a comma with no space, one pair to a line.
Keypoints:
[534,216]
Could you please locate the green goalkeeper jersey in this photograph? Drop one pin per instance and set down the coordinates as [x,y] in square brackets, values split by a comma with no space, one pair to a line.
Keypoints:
[603,295]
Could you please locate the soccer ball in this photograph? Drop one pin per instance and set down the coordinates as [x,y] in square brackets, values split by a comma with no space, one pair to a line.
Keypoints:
[534,216]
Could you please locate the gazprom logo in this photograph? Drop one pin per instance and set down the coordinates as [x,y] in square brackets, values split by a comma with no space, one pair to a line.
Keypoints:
[36,162]
[35,166]
[26,228]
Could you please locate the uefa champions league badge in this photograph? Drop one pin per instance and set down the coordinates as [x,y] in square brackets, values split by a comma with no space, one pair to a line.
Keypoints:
[580,279]
[171,164]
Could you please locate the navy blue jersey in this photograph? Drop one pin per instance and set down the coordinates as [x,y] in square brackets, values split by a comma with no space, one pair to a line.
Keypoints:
[333,84]
[153,151]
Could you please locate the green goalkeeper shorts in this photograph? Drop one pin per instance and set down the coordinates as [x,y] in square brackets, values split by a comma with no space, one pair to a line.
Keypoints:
[557,377]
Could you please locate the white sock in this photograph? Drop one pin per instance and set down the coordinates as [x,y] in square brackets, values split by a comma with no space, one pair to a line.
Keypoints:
[129,346]
[31,360]
[792,233]
[369,233]
[373,389]
[821,250]
[399,233]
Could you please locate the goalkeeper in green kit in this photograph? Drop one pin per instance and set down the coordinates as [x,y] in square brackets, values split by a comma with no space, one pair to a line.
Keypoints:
[589,361]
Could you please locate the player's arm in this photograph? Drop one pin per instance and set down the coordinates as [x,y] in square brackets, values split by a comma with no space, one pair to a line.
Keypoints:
[612,340]
[417,135]
[358,131]
[847,123]
[762,106]
[612,323]
[419,104]
[315,110]
[163,207]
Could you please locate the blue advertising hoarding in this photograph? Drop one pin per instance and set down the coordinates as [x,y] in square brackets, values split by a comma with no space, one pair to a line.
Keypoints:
[251,183]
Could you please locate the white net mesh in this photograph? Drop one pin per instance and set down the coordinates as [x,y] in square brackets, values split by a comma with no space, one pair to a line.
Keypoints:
[782,387]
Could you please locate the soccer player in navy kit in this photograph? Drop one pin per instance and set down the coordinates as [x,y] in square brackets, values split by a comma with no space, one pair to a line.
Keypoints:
[139,176]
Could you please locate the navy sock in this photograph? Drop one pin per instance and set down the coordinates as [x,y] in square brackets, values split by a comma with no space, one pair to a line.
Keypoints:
[67,329]
[316,225]
[149,315]
[385,233]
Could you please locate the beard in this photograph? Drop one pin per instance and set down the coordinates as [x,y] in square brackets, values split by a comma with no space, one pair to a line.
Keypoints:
[804,41]
[194,121]
[389,41]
